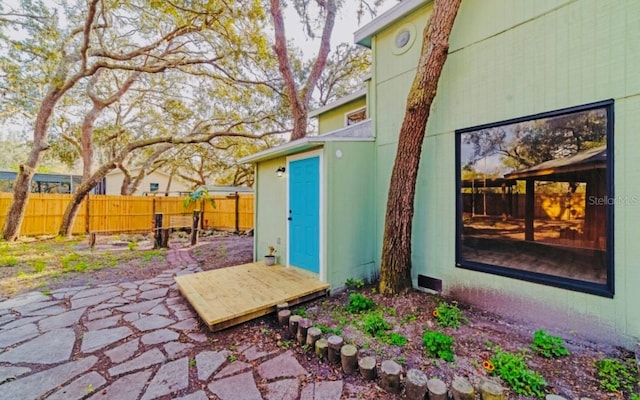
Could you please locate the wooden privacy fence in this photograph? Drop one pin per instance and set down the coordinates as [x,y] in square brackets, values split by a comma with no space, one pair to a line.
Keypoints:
[118,214]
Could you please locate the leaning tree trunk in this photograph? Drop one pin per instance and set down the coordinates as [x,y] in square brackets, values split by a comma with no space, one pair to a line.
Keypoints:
[395,273]
[81,193]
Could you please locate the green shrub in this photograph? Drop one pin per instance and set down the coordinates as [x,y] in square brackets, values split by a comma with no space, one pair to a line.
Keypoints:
[548,346]
[514,371]
[326,329]
[449,315]
[396,339]
[374,324]
[352,283]
[615,375]
[359,303]
[438,345]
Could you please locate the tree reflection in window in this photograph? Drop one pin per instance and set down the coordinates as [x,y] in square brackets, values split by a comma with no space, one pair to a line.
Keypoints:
[534,198]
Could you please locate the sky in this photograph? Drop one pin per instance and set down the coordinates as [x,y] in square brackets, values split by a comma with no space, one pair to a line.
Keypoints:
[346,24]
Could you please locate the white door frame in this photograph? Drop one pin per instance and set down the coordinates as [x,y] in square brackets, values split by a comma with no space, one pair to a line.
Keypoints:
[321,213]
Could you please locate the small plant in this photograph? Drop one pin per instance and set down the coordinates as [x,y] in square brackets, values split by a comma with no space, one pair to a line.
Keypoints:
[438,345]
[401,360]
[634,396]
[132,246]
[409,318]
[301,312]
[374,324]
[326,329]
[548,346]
[396,339]
[449,315]
[513,369]
[359,303]
[232,358]
[285,344]
[271,251]
[200,194]
[353,283]
[192,362]
[615,375]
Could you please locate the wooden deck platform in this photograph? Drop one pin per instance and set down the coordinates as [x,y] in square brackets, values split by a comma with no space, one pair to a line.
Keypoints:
[229,296]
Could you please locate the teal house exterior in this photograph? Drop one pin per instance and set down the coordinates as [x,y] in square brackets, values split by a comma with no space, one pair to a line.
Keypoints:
[527,200]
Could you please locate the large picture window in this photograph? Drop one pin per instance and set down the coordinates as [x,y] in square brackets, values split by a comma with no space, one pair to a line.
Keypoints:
[535,198]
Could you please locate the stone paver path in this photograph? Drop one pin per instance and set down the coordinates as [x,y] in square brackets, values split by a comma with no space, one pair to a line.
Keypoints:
[135,340]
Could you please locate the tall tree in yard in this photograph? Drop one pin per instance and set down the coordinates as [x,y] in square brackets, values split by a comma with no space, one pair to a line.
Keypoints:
[133,36]
[395,274]
[299,97]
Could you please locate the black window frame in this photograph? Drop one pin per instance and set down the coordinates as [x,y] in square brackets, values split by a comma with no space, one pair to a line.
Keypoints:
[605,290]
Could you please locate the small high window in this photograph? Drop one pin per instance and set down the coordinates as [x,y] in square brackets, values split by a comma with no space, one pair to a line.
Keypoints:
[154,187]
[356,116]
[535,198]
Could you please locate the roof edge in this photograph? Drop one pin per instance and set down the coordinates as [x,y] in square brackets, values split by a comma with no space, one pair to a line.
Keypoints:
[305,143]
[363,35]
[339,102]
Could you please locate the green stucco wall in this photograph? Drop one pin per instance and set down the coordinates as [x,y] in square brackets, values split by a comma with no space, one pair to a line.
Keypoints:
[350,203]
[510,59]
[335,119]
[270,210]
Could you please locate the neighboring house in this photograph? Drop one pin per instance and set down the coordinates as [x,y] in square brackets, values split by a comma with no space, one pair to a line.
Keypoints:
[215,190]
[515,209]
[47,183]
[156,183]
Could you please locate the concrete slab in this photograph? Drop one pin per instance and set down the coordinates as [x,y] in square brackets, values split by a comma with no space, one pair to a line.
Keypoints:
[238,387]
[128,387]
[144,360]
[160,336]
[123,352]
[283,366]
[208,362]
[17,335]
[63,320]
[79,388]
[286,389]
[152,322]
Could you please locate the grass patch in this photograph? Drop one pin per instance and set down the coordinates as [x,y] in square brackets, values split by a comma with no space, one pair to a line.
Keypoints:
[28,265]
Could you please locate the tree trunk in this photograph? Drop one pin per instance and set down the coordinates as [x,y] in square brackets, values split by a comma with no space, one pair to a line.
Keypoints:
[22,188]
[299,98]
[83,190]
[395,269]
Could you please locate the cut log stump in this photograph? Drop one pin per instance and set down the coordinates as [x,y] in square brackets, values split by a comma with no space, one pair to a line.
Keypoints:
[490,390]
[335,344]
[322,346]
[390,376]
[461,389]
[367,367]
[293,325]
[283,318]
[437,389]
[313,334]
[349,358]
[416,384]
[303,327]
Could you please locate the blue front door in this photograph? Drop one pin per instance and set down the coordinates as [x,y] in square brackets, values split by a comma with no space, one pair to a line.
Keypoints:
[304,213]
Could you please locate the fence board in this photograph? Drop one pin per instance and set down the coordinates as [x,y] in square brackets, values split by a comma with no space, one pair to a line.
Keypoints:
[114,214]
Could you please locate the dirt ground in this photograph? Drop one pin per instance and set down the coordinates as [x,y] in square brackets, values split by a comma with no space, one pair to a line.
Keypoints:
[573,376]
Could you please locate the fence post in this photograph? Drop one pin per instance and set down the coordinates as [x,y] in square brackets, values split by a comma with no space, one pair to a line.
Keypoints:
[157,230]
[87,215]
[194,227]
[237,212]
